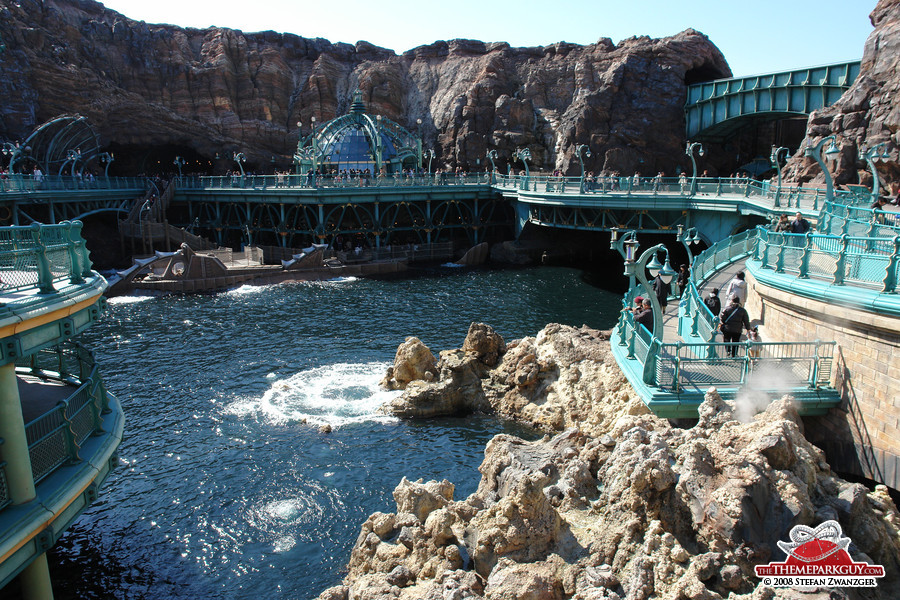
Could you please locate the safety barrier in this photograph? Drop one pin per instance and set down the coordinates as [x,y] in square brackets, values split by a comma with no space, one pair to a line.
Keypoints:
[41,255]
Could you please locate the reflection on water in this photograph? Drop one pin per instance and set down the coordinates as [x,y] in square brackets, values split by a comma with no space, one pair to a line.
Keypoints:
[227,489]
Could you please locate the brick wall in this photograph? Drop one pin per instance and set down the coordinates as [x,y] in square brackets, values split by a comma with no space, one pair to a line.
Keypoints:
[862,435]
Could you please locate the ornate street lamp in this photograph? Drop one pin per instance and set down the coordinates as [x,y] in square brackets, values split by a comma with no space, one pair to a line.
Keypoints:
[649,261]
[582,148]
[870,156]
[13,151]
[419,142]
[239,158]
[491,155]
[72,156]
[775,158]
[627,246]
[689,150]
[815,152]
[430,155]
[523,154]
[106,157]
[178,162]
[688,238]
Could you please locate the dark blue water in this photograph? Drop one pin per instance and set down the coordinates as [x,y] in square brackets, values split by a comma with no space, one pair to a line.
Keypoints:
[226,488]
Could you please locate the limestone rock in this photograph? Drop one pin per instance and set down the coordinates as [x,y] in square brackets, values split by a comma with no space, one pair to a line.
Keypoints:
[486,344]
[412,362]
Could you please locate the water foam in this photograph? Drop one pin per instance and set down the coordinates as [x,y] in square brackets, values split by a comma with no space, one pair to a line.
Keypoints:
[128,299]
[337,395]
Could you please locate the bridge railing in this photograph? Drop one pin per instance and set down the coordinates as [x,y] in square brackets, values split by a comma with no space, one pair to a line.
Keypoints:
[330,181]
[5,499]
[840,219]
[675,366]
[42,255]
[28,183]
[870,262]
[54,438]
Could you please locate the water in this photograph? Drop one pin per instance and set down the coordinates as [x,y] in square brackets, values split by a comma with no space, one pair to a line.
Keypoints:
[226,488]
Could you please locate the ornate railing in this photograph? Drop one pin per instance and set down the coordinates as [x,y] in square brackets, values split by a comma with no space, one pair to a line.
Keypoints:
[270,182]
[28,183]
[41,255]
[841,219]
[54,439]
[870,262]
[674,366]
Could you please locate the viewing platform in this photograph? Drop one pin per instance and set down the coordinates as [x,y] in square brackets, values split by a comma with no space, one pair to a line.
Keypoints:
[60,428]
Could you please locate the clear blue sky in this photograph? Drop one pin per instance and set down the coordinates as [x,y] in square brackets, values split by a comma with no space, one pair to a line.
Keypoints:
[755,36]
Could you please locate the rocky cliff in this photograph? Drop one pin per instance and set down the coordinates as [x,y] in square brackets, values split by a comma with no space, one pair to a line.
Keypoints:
[868,113]
[618,504]
[218,90]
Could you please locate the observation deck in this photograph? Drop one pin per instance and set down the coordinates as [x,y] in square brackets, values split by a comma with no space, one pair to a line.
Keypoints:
[60,428]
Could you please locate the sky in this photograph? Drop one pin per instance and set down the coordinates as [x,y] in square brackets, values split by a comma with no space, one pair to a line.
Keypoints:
[757,36]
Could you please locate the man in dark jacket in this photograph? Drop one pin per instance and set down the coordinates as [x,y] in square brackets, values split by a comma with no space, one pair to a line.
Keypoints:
[644,316]
[733,321]
[712,302]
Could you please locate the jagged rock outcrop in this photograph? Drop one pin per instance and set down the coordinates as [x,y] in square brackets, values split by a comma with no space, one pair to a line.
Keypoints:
[646,511]
[210,90]
[866,115]
[618,504]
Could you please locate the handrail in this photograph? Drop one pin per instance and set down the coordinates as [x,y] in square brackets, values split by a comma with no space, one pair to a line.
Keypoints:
[5,499]
[330,181]
[41,255]
[28,183]
[55,438]
[839,219]
[861,260]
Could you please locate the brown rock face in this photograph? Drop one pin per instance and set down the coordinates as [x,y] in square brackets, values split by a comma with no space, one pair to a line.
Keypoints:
[868,113]
[216,90]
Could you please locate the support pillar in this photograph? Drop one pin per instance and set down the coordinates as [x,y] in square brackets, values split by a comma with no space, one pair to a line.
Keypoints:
[35,580]
[15,445]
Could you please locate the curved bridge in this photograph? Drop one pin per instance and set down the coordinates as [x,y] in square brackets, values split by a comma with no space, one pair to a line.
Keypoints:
[714,109]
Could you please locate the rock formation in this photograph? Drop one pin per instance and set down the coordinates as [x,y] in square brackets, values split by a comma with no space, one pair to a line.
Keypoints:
[618,504]
[867,114]
[218,90]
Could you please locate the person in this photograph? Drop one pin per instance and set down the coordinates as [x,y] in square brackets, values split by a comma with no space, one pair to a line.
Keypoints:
[799,224]
[753,336]
[645,315]
[733,321]
[662,291]
[684,277]
[682,181]
[783,225]
[737,288]
[712,301]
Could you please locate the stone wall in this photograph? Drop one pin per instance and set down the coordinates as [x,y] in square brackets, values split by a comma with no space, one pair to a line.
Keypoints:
[861,435]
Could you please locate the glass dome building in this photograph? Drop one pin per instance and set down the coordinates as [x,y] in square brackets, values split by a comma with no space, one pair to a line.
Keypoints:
[358,141]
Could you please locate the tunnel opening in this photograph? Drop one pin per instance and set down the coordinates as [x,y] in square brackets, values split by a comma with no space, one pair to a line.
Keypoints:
[702,74]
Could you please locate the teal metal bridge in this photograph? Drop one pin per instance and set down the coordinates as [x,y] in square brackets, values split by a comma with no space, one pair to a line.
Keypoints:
[55,198]
[714,109]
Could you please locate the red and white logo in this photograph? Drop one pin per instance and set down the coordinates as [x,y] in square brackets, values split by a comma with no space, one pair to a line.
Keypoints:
[818,558]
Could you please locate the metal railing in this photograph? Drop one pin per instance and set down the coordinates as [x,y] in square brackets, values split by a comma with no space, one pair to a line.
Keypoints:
[41,255]
[27,183]
[270,182]
[676,366]
[870,262]
[841,219]
[54,439]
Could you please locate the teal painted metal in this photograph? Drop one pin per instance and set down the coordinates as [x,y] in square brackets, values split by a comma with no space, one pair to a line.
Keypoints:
[861,262]
[73,451]
[713,107]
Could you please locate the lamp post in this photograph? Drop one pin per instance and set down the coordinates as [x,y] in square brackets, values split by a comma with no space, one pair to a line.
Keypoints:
[627,246]
[582,148]
[815,152]
[378,151]
[870,156]
[239,158]
[688,238]
[178,162]
[315,145]
[419,142]
[13,151]
[430,154]
[649,261]
[71,156]
[523,154]
[775,158]
[106,157]
[491,155]
[689,150]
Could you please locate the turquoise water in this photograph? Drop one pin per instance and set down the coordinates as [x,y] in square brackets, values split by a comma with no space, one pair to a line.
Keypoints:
[226,488]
